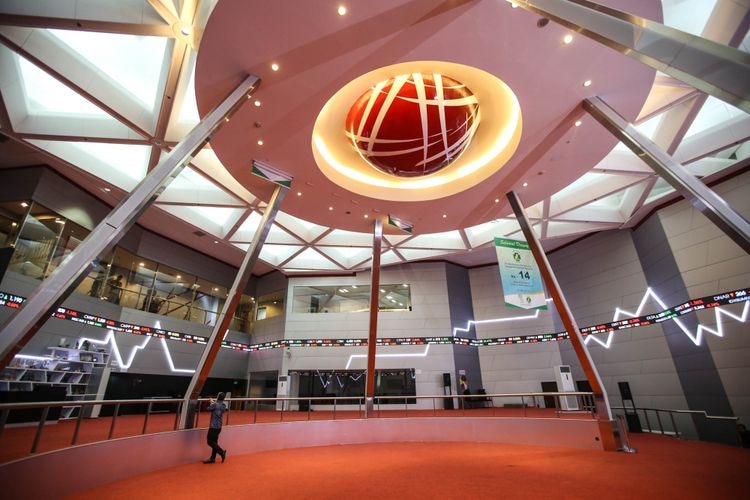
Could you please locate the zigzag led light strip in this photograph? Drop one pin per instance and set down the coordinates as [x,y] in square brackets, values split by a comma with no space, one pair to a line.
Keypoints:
[713,301]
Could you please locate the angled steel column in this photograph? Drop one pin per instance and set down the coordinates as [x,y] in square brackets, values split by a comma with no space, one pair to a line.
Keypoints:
[603,412]
[712,68]
[372,338]
[22,326]
[230,305]
[698,194]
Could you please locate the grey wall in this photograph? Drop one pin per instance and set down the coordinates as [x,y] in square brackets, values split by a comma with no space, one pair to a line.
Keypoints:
[461,312]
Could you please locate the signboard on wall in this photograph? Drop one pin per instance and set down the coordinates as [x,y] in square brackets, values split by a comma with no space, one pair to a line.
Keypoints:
[519,274]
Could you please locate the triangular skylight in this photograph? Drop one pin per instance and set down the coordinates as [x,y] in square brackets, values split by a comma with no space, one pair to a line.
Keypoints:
[417,254]
[448,240]
[122,165]
[689,16]
[192,187]
[482,233]
[214,220]
[341,237]
[348,257]
[276,254]
[276,235]
[389,257]
[557,228]
[394,239]
[661,188]
[133,63]
[713,113]
[305,230]
[47,96]
[310,259]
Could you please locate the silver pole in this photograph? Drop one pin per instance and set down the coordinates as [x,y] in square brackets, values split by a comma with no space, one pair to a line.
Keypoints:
[230,305]
[712,68]
[698,194]
[22,326]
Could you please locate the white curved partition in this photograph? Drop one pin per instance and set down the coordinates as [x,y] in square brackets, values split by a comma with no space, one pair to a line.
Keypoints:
[63,472]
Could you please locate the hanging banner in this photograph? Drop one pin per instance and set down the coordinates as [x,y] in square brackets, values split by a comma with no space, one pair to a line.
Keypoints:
[519,274]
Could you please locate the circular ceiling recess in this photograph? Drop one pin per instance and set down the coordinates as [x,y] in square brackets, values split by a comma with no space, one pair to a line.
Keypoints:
[414,124]
[416,131]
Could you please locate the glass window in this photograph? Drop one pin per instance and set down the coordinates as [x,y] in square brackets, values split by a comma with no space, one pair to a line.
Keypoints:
[270,305]
[351,383]
[12,215]
[349,298]
[36,242]
[71,235]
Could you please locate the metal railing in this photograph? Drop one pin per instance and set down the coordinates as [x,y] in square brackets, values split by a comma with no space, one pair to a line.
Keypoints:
[657,414]
[247,410]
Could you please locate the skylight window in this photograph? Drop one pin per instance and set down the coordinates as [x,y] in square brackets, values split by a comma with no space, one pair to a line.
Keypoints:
[714,113]
[189,108]
[47,96]
[133,62]
[688,15]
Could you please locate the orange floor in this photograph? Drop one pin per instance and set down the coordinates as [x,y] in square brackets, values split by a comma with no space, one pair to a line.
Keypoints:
[663,468]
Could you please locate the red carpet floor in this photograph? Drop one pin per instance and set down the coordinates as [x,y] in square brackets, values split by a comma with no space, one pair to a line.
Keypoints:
[663,468]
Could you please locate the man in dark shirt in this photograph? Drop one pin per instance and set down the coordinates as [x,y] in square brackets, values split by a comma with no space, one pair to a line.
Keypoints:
[217,408]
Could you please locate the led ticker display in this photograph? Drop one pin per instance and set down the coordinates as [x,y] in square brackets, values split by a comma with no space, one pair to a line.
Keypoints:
[14,302]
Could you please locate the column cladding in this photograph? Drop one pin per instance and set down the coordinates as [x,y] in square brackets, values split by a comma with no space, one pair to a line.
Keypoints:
[461,312]
[695,365]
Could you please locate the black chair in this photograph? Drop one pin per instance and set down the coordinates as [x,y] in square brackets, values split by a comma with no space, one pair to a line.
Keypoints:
[483,400]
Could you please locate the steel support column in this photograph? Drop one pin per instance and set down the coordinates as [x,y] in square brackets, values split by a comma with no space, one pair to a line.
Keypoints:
[712,68]
[698,194]
[22,326]
[603,412]
[230,305]
[372,338]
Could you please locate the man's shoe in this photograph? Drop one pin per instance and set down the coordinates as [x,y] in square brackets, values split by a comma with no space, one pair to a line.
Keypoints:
[223,456]
[209,461]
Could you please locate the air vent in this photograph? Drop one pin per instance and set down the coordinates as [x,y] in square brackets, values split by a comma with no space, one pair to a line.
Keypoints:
[199,234]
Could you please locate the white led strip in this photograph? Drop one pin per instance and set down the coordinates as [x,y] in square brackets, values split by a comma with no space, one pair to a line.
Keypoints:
[696,338]
[404,355]
[110,338]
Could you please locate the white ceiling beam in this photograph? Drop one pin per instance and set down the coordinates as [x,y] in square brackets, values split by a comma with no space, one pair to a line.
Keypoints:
[56,23]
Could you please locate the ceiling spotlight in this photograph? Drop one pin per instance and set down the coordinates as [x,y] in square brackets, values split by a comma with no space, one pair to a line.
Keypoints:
[497,200]
[578,123]
[445,216]
[367,216]
[14,224]
[567,39]
[587,83]
[141,264]
[257,104]
[107,190]
[330,208]
[178,277]
[274,67]
[216,241]
[525,184]
[260,142]
[299,193]
[24,204]
[342,10]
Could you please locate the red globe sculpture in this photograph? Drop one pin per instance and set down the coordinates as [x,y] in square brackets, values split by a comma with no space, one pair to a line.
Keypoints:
[413,125]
